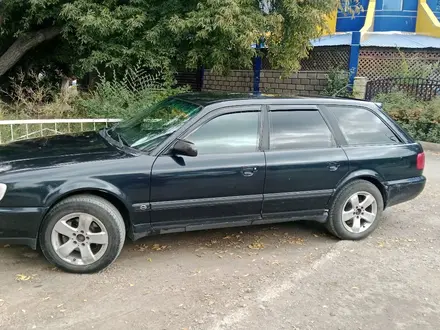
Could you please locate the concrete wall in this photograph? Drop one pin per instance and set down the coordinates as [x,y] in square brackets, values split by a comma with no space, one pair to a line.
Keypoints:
[301,83]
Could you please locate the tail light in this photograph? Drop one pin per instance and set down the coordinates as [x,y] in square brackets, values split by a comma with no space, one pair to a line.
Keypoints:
[421,161]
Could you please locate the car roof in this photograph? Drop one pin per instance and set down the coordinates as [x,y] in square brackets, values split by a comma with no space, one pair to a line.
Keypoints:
[208,98]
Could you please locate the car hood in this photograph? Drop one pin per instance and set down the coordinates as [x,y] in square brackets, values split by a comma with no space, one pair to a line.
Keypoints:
[56,150]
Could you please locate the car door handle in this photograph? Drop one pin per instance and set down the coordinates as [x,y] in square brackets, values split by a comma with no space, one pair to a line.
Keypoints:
[248,171]
[333,167]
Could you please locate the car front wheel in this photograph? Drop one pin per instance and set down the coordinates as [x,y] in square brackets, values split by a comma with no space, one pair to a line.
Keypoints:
[82,234]
[356,211]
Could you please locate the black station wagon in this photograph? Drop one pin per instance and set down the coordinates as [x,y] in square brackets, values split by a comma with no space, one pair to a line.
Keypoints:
[201,161]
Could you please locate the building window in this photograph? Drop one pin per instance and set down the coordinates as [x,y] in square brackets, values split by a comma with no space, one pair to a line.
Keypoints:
[392,5]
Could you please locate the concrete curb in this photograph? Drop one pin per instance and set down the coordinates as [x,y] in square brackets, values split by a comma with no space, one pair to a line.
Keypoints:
[429,146]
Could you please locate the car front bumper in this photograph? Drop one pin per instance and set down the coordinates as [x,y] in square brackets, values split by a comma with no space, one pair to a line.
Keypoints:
[401,191]
[20,225]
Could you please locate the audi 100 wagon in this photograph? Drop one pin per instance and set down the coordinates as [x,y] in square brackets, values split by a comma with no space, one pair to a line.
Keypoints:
[201,161]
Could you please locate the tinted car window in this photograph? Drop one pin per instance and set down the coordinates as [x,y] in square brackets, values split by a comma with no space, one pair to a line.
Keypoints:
[299,130]
[361,126]
[230,133]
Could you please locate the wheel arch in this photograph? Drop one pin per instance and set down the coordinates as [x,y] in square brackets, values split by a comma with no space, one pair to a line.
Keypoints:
[109,196]
[367,175]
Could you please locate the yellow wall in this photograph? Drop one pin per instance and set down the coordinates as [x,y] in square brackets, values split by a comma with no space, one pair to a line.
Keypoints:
[330,24]
[369,20]
[427,23]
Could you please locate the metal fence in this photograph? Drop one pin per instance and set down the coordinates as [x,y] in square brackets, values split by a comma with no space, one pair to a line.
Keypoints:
[15,130]
[193,79]
[420,88]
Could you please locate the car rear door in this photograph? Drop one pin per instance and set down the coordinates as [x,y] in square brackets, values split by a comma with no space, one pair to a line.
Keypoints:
[223,183]
[304,162]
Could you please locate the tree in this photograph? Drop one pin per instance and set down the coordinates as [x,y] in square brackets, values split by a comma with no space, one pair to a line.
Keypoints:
[162,33]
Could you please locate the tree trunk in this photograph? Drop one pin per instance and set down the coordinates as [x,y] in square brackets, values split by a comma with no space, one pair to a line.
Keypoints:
[24,44]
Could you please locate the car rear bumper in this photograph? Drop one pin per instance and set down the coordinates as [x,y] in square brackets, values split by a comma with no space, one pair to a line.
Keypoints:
[401,191]
[20,225]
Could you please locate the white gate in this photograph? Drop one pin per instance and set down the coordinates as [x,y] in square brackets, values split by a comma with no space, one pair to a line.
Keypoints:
[15,130]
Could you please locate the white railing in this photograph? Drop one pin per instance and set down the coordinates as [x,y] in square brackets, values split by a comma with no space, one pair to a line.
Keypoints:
[14,130]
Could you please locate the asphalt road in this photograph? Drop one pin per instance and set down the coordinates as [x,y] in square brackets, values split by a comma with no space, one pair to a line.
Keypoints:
[289,276]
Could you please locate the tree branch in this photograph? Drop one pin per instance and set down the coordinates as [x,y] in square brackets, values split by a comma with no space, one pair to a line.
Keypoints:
[23,44]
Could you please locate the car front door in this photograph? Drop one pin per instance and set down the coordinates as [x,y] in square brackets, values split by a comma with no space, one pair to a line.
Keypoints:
[304,163]
[223,184]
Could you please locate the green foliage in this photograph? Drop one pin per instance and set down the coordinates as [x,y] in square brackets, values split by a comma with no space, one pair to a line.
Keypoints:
[337,84]
[420,119]
[118,97]
[126,96]
[169,33]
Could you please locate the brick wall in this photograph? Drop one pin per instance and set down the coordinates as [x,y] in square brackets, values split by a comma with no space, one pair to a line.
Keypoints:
[301,83]
[237,81]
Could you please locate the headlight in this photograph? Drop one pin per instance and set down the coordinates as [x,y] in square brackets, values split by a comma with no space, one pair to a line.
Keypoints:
[3,188]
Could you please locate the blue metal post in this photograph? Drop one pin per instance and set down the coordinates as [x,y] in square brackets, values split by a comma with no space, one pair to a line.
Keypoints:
[354,57]
[257,73]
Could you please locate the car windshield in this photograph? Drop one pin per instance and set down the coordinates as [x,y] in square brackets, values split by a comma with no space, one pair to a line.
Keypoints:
[152,126]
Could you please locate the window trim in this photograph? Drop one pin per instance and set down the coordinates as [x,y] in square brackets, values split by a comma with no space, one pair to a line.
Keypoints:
[214,114]
[378,115]
[293,108]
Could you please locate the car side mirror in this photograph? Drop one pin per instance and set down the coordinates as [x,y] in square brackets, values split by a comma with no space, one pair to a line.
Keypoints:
[184,148]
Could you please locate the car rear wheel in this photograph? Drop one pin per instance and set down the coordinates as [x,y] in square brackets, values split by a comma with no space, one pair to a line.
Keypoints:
[356,211]
[82,234]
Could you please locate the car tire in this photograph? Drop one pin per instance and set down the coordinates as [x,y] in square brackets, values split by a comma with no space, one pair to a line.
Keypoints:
[94,248]
[344,206]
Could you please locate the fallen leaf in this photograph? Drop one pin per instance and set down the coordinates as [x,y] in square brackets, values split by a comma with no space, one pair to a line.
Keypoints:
[296,240]
[157,247]
[256,246]
[141,247]
[22,277]
[149,259]
[131,284]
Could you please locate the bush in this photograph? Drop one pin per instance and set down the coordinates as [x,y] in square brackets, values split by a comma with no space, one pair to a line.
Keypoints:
[124,97]
[31,96]
[337,84]
[420,119]
[120,97]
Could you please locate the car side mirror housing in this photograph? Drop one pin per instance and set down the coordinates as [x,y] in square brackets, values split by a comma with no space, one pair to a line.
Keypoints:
[184,148]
